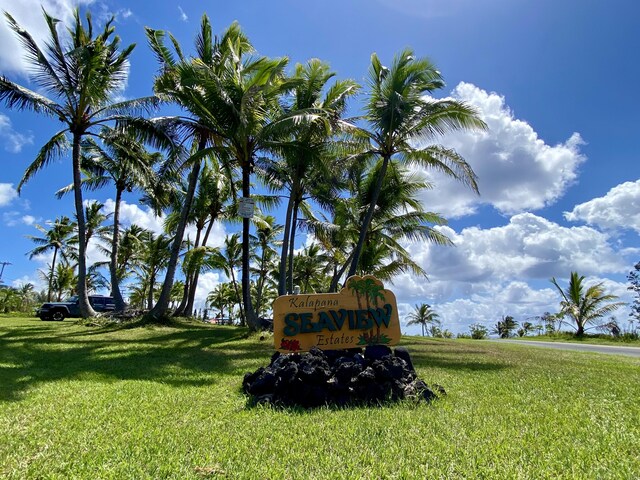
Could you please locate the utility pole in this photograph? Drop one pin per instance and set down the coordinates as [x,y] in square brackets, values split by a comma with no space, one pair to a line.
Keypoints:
[3,264]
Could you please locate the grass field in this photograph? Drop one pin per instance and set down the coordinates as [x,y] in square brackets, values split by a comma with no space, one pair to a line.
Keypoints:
[598,339]
[165,402]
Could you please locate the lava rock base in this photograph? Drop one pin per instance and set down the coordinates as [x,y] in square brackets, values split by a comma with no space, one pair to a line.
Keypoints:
[338,377]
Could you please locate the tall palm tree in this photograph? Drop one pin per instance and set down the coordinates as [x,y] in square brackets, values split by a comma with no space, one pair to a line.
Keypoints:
[82,73]
[194,84]
[57,239]
[229,260]
[423,315]
[211,203]
[308,148]
[120,159]
[245,107]
[154,259]
[585,305]
[399,114]
[264,243]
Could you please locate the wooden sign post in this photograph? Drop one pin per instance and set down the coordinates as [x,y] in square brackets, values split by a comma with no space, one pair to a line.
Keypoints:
[362,313]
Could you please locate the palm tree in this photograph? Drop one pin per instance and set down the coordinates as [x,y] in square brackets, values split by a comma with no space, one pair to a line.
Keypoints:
[505,327]
[245,107]
[310,269]
[155,255]
[423,315]
[399,114]
[195,84]
[57,238]
[82,73]
[585,306]
[94,219]
[229,261]
[308,148]
[399,217]
[123,161]
[263,244]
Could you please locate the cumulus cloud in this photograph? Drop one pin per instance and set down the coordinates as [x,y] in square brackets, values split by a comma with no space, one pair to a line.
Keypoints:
[13,140]
[618,209]
[7,194]
[517,170]
[28,13]
[505,270]
[145,218]
[528,247]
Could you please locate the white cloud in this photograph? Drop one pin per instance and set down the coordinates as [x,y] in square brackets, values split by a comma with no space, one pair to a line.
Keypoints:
[132,213]
[7,194]
[28,13]
[183,15]
[505,270]
[528,247]
[618,209]
[28,219]
[517,170]
[13,141]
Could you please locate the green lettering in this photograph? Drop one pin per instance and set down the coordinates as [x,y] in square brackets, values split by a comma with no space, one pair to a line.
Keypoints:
[364,321]
[352,319]
[305,322]
[324,322]
[339,317]
[292,328]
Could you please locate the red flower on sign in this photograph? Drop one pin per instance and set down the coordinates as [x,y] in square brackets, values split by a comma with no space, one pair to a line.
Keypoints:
[291,345]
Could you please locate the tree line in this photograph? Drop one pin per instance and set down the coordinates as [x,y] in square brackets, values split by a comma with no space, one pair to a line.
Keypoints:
[245,120]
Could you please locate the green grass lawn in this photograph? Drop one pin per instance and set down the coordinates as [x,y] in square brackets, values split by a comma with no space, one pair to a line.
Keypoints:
[165,402]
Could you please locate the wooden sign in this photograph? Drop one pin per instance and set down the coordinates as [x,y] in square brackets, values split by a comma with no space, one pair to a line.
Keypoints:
[362,313]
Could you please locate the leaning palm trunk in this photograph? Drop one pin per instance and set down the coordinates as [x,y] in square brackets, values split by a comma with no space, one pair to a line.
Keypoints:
[367,219]
[162,306]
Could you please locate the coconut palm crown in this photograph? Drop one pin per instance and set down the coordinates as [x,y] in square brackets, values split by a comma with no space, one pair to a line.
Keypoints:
[585,305]
[401,116]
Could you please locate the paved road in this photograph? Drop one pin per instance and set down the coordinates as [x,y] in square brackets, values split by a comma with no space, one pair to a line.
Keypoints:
[583,347]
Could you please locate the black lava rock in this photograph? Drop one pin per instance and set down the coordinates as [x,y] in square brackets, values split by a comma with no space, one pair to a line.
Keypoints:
[338,377]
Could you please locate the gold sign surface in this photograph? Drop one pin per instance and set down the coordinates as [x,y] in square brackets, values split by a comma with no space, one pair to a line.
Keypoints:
[362,313]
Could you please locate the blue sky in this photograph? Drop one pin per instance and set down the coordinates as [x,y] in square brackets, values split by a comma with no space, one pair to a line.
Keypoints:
[559,172]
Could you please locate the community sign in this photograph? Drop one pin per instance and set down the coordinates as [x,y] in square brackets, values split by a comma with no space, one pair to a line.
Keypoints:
[362,313]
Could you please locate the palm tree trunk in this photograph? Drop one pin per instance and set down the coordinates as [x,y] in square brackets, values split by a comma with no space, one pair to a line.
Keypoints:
[282,280]
[292,241]
[194,281]
[367,219]
[338,274]
[85,307]
[250,316]
[161,307]
[113,263]
[53,266]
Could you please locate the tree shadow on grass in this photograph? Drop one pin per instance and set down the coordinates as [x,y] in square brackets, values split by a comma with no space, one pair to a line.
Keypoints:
[32,354]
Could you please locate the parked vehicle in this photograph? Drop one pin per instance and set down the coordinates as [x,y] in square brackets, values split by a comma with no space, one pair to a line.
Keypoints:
[58,311]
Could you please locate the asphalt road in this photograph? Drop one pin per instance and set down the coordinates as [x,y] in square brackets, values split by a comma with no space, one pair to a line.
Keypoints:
[583,347]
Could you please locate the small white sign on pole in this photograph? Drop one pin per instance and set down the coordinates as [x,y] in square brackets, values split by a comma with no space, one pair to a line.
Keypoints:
[246,206]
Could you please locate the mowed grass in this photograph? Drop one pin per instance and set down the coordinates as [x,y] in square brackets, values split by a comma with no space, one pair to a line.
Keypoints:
[165,402]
